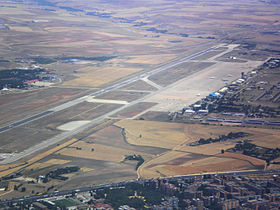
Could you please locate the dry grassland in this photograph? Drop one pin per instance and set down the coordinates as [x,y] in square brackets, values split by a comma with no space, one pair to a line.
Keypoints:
[101,152]
[11,186]
[212,164]
[207,149]
[48,163]
[273,167]
[98,77]
[205,165]
[177,135]
[36,158]
[155,134]
[14,11]
[5,167]
[254,161]
[150,59]
[20,28]
[84,169]
[184,159]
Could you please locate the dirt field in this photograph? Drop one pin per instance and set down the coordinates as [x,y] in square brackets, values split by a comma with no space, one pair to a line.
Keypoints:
[180,165]
[96,77]
[100,152]
[156,134]
[36,158]
[46,164]
[184,159]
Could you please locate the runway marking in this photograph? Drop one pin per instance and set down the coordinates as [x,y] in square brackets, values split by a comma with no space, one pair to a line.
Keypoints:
[105,101]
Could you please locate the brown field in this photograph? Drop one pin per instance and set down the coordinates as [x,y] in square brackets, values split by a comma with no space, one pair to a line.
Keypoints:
[254,161]
[110,148]
[208,149]
[48,163]
[101,152]
[181,164]
[211,165]
[97,77]
[36,158]
[184,159]
[156,134]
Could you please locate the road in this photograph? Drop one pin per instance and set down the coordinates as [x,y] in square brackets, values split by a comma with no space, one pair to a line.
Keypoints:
[96,187]
[59,137]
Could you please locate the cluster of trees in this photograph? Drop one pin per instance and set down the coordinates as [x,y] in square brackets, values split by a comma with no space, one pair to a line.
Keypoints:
[137,158]
[120,196]
[56,174]
[233,103]
[253,150]
[45,60]
[15,78]
[231,135]
[99,58]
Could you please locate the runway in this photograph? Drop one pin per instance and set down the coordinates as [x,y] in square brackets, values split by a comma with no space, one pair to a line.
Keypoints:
[60,137]
[105,90]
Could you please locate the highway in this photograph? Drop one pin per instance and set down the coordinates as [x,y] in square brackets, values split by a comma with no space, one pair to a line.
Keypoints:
[123,183]
[64,135]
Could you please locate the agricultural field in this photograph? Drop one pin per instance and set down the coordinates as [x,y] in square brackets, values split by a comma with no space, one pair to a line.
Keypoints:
[182,158]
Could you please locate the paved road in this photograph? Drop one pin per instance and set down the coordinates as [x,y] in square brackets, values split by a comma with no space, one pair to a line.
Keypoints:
[58,138]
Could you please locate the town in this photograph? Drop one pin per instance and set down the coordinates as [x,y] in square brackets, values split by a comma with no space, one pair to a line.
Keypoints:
[247,190]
